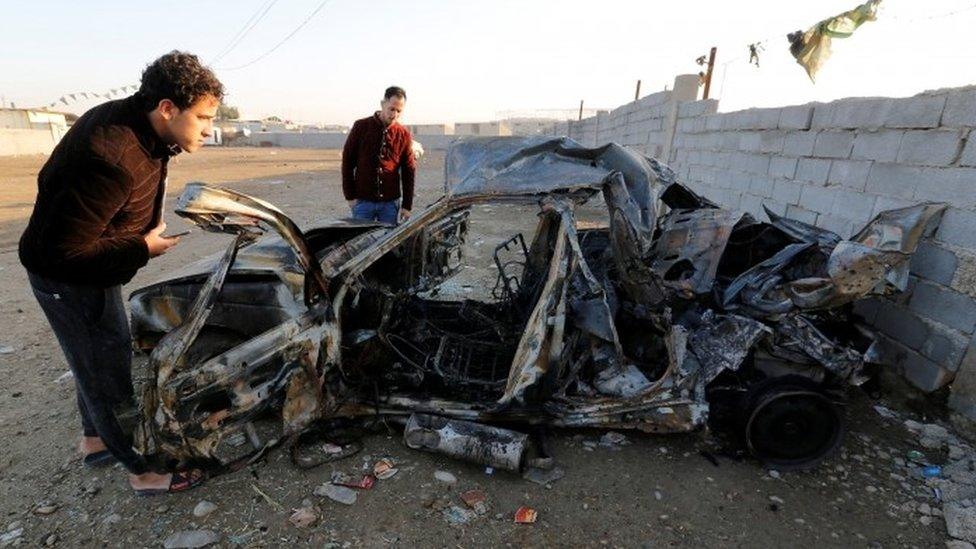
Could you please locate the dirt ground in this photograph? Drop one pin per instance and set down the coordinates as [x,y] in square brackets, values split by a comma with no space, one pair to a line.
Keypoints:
[652,491]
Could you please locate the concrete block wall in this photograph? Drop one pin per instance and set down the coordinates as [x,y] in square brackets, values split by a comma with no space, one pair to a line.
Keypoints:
[19,141]
[836,165]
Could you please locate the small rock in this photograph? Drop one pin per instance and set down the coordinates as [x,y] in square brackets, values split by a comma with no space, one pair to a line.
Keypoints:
[114,518]
[613,438]
[925,509]
[961,522]
[50,540]
[925,520]
[340,494]
[6,350]
[444,476]
[871,489]
[304,517]
[543,477]
[774,473]
[457,515]
[45,508]
[11,536]
[799,521]
[777,499]
[162,509]
[658,495]
[957,544]
[930,443]
[204,508]
[189,539]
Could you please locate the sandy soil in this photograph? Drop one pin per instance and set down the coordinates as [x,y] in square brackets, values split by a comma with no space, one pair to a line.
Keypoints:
[653,491]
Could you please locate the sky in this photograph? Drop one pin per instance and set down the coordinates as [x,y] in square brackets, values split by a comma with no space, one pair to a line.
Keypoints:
[469,61]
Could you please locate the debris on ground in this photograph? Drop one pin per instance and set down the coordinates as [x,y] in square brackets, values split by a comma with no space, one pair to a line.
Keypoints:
[363,483]
[444,476]
[339,494]
[190,539]
[304,517]
[476,500]
[543,476]
[611,439]
[525,515]
[458,515]
[384,469]
[204,508]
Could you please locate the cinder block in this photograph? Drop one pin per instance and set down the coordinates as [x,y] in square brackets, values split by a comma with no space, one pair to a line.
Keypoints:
[780,166]
[925,374]
[834,144]
[778,208]
[921,111]
[840,225]
[868,309]
[884,203]
[944,346]
[968,157]
[861,113]
[751,203]
[956,186]
[741,181]
[800,143]
[761,186]
[749,141]
[713,122]
[801,214]
[960,109]
[958,228]
[756,164]
[902,325]
[796,118]
[814,170]
[947,306]
[823,115]
[877,145]
[818,199]
[852,174]
[787,192]
[893,180]
[768,119]
[929,147]
[853,205]
[772,141]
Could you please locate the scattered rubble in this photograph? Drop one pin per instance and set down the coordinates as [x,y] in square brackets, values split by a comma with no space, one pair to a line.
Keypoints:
[204,508]
[190,539]
[339,494]
[304,517]
[526,515]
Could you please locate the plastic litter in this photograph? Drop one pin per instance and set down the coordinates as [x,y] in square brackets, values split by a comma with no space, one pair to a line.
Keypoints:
[525,515]
[931,471]
[364,483]
[384,469]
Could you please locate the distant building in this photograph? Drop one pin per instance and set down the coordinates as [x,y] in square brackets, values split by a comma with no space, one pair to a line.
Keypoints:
[431,129]
[530,126]
[30,131]
[496,128]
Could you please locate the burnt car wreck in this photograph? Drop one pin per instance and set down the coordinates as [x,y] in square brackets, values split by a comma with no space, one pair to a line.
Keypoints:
[669,313]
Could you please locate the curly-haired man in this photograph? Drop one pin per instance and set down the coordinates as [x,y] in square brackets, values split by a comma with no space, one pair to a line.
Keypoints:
[96,221]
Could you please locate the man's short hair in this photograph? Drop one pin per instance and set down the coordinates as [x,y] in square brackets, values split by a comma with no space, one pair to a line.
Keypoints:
[180,77]
[394,91]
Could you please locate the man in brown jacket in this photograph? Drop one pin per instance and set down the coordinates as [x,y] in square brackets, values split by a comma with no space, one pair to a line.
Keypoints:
[96,221]
[377,162]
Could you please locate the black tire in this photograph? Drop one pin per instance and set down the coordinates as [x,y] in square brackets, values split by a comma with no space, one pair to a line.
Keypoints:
[792,424]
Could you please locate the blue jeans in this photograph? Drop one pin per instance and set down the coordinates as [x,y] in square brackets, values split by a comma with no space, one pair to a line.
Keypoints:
[387,211]
[93,331]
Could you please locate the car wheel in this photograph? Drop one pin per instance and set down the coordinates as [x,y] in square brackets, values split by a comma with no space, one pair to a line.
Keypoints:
[791,424]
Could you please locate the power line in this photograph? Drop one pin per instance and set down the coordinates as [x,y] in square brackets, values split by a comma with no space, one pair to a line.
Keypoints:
[255,18]
[283,40]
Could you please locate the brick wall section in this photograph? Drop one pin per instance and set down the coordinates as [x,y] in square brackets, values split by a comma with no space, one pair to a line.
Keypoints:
[836,165]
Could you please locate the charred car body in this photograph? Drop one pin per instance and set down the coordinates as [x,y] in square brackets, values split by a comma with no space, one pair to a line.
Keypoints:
[669,309]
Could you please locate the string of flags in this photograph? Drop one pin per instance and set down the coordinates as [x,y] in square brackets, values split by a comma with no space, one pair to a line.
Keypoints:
[69,98]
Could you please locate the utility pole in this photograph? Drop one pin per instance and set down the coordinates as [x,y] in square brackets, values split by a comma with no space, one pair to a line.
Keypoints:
[581,110]
[708,75]
[637,92]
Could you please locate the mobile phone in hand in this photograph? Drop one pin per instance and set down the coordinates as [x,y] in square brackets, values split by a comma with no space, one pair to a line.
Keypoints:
[184,233]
